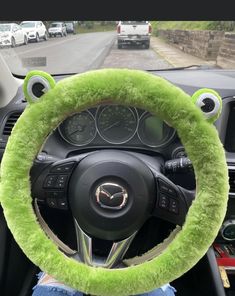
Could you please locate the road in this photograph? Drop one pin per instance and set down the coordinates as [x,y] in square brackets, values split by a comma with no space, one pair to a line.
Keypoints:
[79,53]
[134,57]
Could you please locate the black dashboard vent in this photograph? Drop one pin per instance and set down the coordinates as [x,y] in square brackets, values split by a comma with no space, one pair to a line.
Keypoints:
[10,122]
[232,181]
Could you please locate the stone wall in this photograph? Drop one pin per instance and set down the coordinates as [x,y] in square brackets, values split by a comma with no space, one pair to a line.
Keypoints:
[226,56]
[203,44]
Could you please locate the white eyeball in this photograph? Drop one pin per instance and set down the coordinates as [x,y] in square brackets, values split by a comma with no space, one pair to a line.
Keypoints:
[37,86]
[209,104]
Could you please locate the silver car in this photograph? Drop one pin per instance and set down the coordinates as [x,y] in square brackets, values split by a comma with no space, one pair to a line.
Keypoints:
[57,28]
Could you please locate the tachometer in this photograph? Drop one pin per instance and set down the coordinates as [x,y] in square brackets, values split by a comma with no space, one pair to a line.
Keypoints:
[116,124]
[154,132]
[79,129]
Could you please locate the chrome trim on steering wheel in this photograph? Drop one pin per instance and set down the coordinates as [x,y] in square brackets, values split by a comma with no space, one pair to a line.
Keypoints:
[116,253]
[84,243]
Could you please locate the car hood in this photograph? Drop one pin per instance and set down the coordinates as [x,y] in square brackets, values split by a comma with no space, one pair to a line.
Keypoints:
[29,29]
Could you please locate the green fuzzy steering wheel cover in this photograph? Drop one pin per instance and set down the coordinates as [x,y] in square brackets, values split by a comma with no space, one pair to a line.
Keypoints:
[129,87]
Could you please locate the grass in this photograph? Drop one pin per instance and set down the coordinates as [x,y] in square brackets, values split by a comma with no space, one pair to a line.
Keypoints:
[193,25]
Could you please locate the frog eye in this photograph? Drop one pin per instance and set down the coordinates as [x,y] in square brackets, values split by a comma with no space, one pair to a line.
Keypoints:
[36,84]
[209,102]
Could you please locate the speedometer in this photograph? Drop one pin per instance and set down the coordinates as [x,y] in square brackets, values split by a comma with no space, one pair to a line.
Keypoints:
[116,124]
[154,132]
[79,129]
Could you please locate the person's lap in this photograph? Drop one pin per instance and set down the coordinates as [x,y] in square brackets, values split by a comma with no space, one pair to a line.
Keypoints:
[47,286]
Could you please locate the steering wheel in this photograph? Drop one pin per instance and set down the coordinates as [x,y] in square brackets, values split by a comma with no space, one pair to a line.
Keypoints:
[112,193]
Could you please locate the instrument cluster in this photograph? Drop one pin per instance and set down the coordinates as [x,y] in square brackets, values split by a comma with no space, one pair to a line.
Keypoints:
[117,125]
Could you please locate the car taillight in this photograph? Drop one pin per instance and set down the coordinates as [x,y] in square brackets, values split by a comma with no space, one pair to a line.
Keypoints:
[150,29]
[118,29]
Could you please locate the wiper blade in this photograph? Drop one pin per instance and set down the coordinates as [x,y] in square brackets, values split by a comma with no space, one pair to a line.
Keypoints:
[204,67]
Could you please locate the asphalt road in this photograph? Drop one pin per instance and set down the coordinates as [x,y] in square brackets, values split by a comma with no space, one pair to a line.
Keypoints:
[134,57]
[79,53]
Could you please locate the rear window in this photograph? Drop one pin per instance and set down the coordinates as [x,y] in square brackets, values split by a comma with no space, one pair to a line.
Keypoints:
[55,25]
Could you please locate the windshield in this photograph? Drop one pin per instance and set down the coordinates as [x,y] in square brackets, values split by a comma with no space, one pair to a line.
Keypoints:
[144,45]
[28,25]
[5,28]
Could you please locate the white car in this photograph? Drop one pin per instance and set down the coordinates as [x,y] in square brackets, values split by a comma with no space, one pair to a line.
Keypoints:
[57,28]
[134,33]
[35,30]
[12,34]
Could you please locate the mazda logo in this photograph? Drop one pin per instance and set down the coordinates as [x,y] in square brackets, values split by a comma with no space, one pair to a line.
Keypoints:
[111,196]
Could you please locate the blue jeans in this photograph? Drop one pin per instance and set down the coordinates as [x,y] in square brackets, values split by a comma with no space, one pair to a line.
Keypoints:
[62,290]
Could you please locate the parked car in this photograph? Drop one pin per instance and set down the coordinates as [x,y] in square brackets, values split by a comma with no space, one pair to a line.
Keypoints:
[57,28]
[134,32]
[70,27]
[35,30]
[12,34]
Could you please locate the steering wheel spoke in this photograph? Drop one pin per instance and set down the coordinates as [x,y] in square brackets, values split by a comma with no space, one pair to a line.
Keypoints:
[172,202]
[84,243]
[50,178]
[85,254]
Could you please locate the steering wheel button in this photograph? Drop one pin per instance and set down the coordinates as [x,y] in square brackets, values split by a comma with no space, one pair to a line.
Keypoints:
[63,168]
[62,204]
[164,187]
[172,191]
[61,181]
[163,201]
[55,194]
[52,202]
[50,181]
[173,207]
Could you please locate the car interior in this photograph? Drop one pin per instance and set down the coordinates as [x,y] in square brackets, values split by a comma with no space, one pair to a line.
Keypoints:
[122,140]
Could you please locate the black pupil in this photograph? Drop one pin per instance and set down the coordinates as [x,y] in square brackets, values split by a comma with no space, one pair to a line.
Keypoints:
[37,89]
[209,105]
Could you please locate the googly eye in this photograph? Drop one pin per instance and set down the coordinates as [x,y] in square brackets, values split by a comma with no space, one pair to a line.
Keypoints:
[209,103]
[36,84]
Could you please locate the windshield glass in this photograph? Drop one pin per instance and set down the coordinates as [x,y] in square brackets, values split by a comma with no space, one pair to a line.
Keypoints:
[5,28]
[144,45]
[28,25]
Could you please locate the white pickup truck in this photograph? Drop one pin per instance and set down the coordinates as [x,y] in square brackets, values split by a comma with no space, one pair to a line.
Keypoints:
[133,32]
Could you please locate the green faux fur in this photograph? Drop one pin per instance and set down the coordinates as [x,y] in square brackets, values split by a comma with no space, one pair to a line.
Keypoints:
[129,87]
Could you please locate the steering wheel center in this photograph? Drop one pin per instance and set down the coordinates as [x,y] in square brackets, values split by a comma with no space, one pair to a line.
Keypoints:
[108,191]
[111,196]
